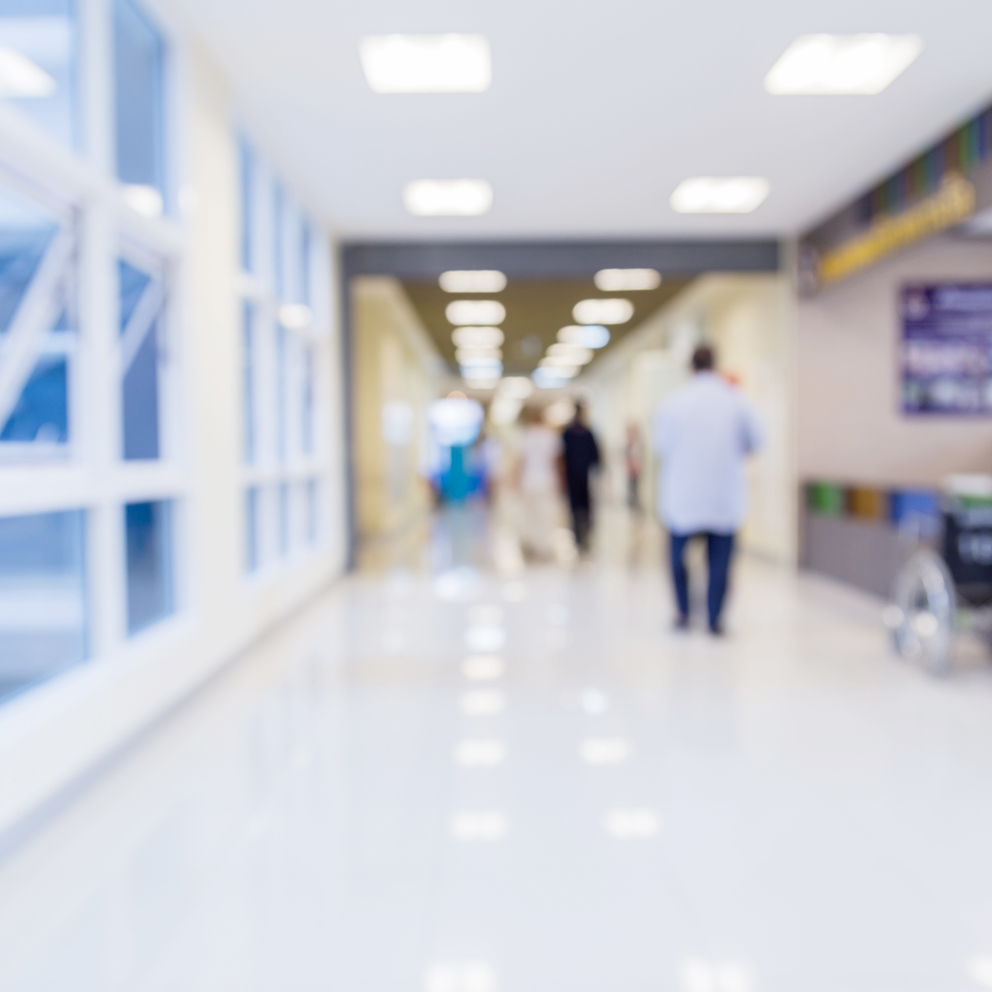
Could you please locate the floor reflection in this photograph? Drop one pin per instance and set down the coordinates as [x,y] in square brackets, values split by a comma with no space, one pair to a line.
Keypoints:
[457,772]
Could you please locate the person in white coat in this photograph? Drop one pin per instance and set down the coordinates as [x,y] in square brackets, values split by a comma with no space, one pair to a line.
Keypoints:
[703,434]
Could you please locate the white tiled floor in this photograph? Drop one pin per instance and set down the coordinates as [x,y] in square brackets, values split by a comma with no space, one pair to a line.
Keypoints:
[459,781]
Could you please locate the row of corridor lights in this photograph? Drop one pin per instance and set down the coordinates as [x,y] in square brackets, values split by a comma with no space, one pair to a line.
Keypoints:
[814,64]
[478,339]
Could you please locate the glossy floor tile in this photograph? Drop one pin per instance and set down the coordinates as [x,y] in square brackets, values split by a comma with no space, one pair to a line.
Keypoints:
[453,775]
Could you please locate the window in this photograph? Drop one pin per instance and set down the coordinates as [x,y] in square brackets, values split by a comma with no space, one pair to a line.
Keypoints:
[141,302]
[248,378]
[310,502]
[149,563]
[252,537]
[138,69]
[246,175]
[280,344]
[37,63]
[37,327]
[283,504]
[42,597]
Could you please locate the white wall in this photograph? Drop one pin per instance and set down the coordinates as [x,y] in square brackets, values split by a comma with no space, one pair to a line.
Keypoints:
[54,733]
[850,425]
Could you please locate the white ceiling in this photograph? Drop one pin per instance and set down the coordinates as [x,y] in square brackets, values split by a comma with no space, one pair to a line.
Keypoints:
[597,111]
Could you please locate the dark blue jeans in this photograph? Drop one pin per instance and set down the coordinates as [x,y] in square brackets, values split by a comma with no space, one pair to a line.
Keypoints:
[719,549]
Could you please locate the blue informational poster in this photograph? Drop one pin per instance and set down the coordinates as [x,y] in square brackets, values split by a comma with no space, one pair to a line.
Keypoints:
[947,349]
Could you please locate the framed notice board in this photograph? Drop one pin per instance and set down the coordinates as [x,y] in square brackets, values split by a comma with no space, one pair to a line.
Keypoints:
[946,353]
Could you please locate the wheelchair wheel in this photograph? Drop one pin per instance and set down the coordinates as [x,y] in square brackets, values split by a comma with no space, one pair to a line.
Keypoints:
[923,615]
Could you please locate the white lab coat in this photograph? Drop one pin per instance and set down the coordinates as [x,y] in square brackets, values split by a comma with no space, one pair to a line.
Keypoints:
[703,433]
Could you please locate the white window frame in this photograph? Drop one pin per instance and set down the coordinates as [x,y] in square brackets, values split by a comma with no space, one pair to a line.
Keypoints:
[94,476]
[267,471]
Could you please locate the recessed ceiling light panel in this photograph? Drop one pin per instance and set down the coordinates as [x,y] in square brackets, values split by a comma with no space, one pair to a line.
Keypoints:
[426,63]
[626,280]
[477,337]
[610,311]
[466,312]
[575,354]
[472,281]
[852,64]
[448,197]
[720,195]
[472,356]
[585,335]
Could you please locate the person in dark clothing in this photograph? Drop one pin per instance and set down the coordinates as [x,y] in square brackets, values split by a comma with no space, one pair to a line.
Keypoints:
[580,455]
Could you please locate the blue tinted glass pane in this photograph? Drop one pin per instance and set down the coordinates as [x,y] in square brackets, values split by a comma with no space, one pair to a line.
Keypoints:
[25,234]
[251,530]
[246,164]
[149,563]
[306,295]
[248,379]
[283,518]
[38,38]
[140,402]
[133,282]
[41,413]
[279,239]
[42,597]
[281,392]
[138,61]
[306,400]
[311,505]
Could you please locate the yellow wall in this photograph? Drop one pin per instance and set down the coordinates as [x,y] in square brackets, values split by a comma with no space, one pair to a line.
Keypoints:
[395,364]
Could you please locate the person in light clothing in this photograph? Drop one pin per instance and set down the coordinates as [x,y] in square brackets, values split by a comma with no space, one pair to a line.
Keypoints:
[537,479]
[703,434]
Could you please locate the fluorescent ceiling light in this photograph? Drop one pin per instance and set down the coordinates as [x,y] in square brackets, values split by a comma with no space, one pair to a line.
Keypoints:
[448,197]
[611,311]
[484,702]
[560,369]
[605,750]
[472,356]
[480,753]
[472,281]
[549,378]
[490,370]
[585,335]
[426,63]
[478,825]
[22,78]
[468,312]
[483,668]
[632,824]
[719,195]
[295,316]
[516,387]
[574,353]
[460,976]
[477,337]
[559,362]
[626,280]
[851,64]
[144,200]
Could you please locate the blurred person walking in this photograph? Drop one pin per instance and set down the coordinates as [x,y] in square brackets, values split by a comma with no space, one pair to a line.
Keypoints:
[634,459]
[580,455]
[537,480]
[703,433]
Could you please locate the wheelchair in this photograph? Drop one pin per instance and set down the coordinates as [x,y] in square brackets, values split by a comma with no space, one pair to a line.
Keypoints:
[945,585]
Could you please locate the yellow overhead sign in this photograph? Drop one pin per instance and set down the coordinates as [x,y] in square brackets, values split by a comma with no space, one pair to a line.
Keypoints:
[950,204]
